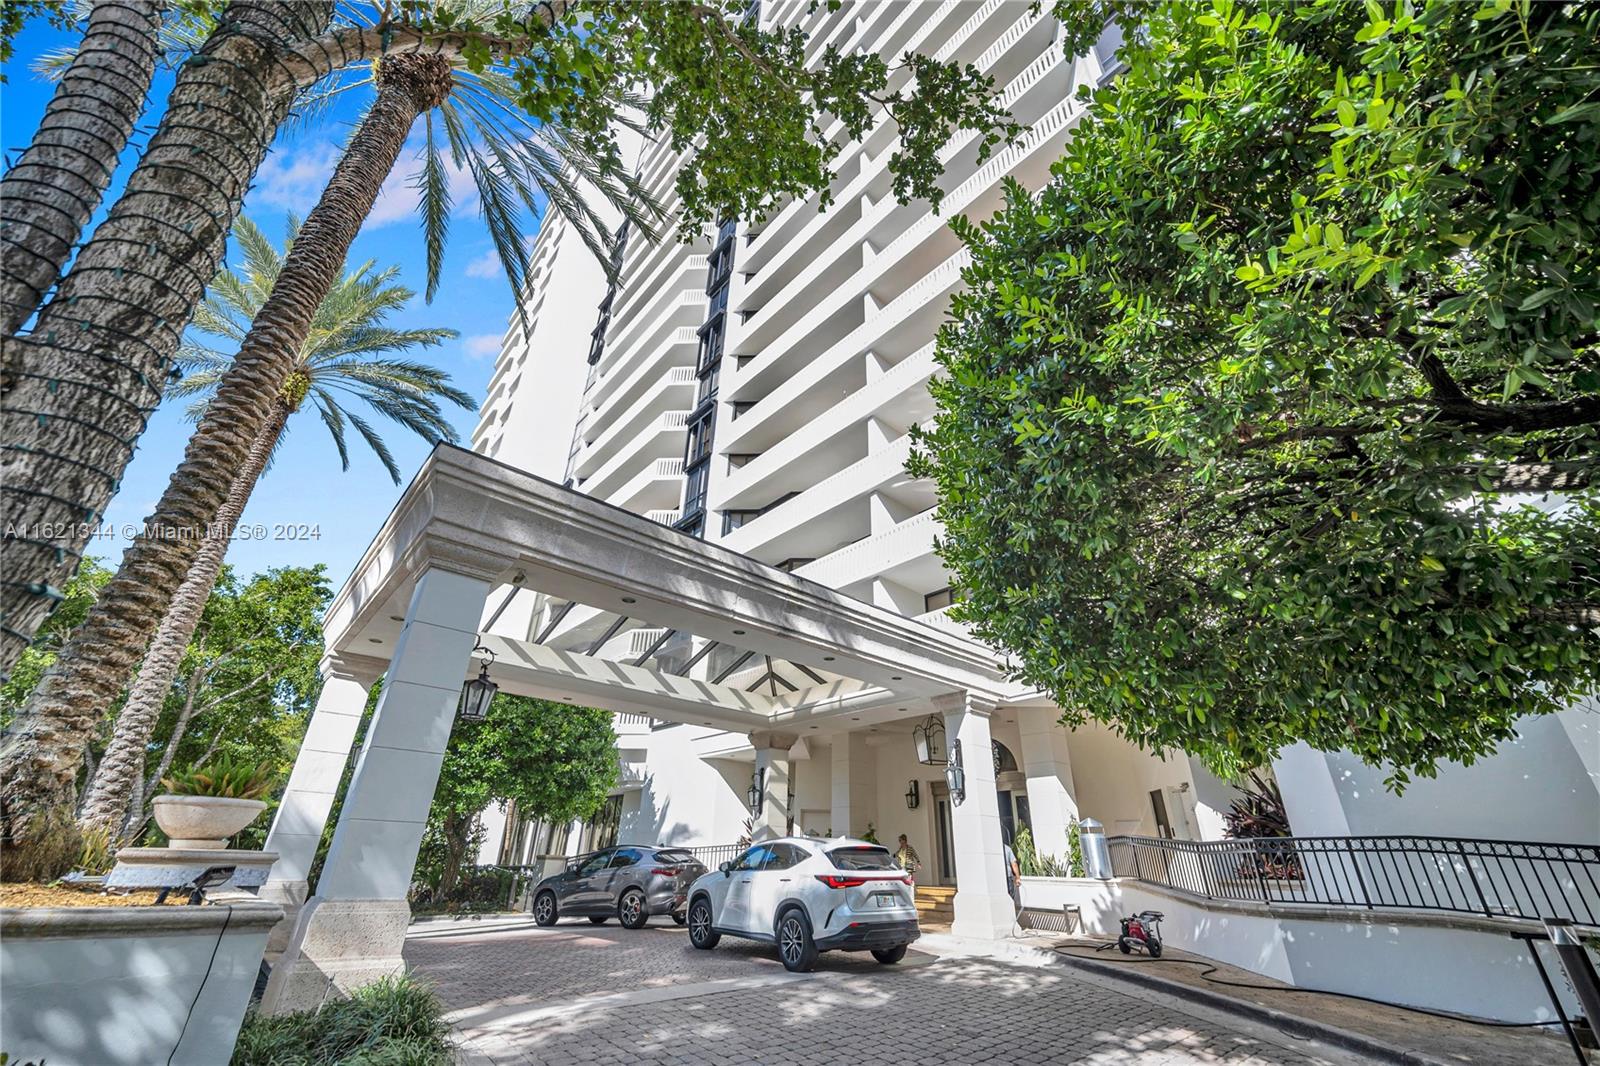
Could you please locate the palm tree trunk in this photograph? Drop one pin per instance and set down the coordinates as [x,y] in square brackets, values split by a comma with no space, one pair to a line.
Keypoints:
[139,813]
[39,759]
[122,765]
[80,386]
[47,198]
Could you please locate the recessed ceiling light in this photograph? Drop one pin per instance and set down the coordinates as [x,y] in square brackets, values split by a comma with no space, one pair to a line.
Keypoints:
[813,727]
[855,718]
[705,723]
[397,618]
[738,632]
[827,658]
[896,677]
[375,640]
[629,599]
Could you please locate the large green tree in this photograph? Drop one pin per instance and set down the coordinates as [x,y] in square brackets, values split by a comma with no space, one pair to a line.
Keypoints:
[554,761]
[1273,416]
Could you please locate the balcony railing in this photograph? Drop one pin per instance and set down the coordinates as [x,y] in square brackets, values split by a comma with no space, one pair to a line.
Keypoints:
[1494,878]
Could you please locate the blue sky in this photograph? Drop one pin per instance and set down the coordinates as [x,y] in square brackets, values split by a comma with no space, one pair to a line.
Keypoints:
[305,485]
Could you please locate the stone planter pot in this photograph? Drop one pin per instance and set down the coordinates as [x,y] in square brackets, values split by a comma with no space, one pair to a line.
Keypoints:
[204,821]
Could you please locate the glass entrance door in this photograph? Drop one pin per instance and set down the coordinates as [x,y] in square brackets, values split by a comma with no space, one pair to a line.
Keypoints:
[944,840]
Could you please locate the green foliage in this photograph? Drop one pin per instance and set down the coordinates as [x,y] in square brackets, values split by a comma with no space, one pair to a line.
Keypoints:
[744,102]
[1237,410]
[349,352]
[871,835]
[395,1021]
[1033,864]
[223,777]
[555,761]
[15,14]
[79,595]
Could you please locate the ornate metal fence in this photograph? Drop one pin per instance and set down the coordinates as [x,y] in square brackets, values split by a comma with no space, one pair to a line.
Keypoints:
[717,854]
[1495,878]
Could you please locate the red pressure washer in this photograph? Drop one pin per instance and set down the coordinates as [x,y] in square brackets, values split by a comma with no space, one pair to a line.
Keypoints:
[1144,930]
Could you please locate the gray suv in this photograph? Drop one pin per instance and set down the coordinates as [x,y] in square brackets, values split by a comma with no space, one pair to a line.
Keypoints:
[630,882]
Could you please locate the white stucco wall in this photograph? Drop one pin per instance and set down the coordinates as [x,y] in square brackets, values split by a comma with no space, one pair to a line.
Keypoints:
[1439,962]
[684,799]
[1542,786]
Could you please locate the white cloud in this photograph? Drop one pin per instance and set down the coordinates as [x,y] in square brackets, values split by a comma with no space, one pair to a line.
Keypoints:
[482,346]
[486,265]
[398,199]
[294,180]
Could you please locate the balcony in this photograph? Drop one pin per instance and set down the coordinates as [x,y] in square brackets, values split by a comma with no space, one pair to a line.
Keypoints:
[660,439]
[657,487]
[899,553]
[796,443]
[673,392]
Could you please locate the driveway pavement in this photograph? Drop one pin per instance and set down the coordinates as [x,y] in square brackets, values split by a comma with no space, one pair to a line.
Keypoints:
[577,993]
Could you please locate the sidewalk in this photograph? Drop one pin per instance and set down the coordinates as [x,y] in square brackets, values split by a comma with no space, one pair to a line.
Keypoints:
[1391,1033]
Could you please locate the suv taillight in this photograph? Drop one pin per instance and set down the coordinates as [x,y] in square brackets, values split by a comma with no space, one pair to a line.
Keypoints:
[666,871]
[835,881]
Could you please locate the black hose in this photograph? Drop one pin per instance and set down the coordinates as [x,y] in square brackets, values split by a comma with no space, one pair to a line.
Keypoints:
[1211,968]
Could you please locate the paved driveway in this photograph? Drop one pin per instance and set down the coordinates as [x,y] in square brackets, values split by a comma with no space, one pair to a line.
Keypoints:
[577,993]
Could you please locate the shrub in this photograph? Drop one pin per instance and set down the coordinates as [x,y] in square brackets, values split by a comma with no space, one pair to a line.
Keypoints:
[395,1021]
[225,777]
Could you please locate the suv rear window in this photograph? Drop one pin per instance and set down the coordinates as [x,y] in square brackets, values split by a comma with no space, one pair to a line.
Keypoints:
[675,855]
[862,859]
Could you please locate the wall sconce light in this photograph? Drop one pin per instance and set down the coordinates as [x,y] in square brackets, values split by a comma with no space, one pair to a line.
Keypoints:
[954,776]
[914,795]
[478,693]
[930,740]
[758,782]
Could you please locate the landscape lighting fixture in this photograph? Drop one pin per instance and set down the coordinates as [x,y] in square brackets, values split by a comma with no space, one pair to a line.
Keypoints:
[478,693]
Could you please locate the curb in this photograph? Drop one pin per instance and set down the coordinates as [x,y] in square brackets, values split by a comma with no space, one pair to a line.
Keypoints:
[1293,1024]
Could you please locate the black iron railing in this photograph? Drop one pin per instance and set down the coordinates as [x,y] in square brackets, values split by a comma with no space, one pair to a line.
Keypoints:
[1495,878]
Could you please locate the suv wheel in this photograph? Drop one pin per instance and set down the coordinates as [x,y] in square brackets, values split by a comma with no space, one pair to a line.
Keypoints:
[795,947]
[544,908]
[630,910]
[890,956]
[701,933]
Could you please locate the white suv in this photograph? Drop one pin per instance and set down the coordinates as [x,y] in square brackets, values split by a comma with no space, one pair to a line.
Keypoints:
[808,896]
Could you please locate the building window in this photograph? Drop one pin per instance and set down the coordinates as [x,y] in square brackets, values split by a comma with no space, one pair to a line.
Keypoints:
[708,369]
[732,520]
[938,601]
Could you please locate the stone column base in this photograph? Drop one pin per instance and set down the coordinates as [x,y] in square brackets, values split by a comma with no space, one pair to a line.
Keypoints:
[338,945]
[983,917]
[291,896]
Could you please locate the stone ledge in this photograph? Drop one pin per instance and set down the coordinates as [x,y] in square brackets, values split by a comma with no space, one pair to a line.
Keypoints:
[40,923]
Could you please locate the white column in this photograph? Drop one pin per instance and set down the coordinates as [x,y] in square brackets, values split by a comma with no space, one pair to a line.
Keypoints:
[1051,795]
[772,762]
[983,908]
[303,812]
[855,795]
[351,932]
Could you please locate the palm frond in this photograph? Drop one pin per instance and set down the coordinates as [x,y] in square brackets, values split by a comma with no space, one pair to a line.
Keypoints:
[376,443]
[433,188]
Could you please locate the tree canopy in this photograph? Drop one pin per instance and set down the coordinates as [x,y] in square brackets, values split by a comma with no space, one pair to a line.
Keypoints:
[1273,416]
[555,761]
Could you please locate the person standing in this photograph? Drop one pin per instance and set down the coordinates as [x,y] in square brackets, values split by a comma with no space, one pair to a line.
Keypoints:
[905,856]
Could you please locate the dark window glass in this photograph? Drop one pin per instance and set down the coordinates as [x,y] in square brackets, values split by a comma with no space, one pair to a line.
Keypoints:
[754,859]
[594,864]
[784,856]
[938,601]
[719,303]
[694,489]
[862,858]
[626,857]
[708,386]
[698,444]
[675,855]
[711,347]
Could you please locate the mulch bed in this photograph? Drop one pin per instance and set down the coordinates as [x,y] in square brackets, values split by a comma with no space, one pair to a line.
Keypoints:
[20,894]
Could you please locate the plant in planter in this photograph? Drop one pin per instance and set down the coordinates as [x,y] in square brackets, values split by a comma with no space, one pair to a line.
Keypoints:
[205,806]
[1259,814]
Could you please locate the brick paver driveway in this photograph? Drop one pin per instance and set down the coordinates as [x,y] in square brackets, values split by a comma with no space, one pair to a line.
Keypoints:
[578,993]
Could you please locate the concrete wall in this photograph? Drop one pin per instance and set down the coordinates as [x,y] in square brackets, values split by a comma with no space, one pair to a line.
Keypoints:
[684,798]
[1542,786]
[1440,962]
[108,986]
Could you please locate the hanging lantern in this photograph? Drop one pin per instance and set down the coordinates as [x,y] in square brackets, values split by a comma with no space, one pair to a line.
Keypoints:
[478,693]
[954,776]
[914,795]
[930,741]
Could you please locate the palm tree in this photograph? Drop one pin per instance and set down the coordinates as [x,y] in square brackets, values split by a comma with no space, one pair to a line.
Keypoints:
[516,167]
[348,353]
